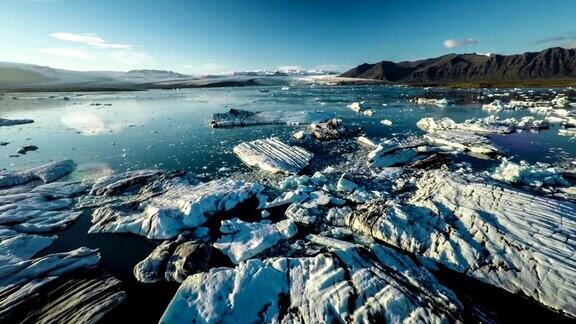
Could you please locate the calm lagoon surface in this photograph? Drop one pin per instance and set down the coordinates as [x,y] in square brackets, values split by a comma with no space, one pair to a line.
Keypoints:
[167,129]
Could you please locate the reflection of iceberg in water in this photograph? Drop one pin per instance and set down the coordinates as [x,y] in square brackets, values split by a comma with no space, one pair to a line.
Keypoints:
[90,124]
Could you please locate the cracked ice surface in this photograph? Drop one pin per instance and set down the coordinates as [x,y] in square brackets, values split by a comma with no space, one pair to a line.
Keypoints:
[181,206]
[274,156]
[507,238]
[352,284]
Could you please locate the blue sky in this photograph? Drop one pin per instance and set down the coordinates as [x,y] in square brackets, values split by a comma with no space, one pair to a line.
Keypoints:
[223,35]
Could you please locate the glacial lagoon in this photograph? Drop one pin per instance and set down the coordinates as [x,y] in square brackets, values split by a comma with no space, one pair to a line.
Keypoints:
[168,130]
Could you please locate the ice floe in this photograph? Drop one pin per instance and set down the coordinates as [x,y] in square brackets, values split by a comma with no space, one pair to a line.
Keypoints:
[537,175]
[431,125]
[504,237]
[45,173]
[175,260]
[177,208]
[431,102]
[273,155]
[464,141]
[237,117]
[349,285]
[330,130]
[243,240]
[11,122]
[358,106]
[37,290]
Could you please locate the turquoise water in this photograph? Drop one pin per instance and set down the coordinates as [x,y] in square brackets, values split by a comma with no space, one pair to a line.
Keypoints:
[167,129]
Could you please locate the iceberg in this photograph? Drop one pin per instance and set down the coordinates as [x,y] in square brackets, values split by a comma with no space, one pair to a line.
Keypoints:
[532,175]
[45,173]
[236,117]
[178,208]
[11,122]
[243,240]
[274,156]
[507,238]
[348,285]
[37,290]
[175,260]
[330,130]
[460,140]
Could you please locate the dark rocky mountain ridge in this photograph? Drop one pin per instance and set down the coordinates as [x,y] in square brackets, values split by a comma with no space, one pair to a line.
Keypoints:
[553,64]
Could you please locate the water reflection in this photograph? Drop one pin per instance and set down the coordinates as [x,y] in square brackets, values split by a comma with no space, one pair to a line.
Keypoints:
[89,124]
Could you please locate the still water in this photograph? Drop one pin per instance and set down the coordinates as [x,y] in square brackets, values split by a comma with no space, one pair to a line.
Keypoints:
[168,129]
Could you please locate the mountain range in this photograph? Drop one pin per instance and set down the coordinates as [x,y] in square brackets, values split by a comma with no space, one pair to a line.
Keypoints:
[553,66]
[29,77]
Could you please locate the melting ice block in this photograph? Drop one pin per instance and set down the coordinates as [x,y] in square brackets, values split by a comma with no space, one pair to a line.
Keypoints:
[236,117]
[274,156]
[352,284]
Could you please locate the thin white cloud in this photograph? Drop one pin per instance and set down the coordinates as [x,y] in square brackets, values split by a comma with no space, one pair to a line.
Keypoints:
[67,52]
[451,43]
[88,39]
[90,46]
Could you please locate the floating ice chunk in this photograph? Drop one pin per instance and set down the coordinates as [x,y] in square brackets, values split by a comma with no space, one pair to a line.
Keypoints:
[299,214]
[116,182]
[330,130]
[236,117]
[368,112]
[560,101]
[15,247]
[365,141]
[392,153]
[567,132]
[533,175]
[358,106]
[495,106]
[431,102]
[354,192]
[346,185]
[351,285]
[338,215]
[45,173]
[318,178]
[462,141]
[431,125]
[40,289]
[274,156]
[299,135]
[386,122]
[178,208]
[295,196]
[507,238]
[45,208]
[242,240]
[11,122]
[174,260]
